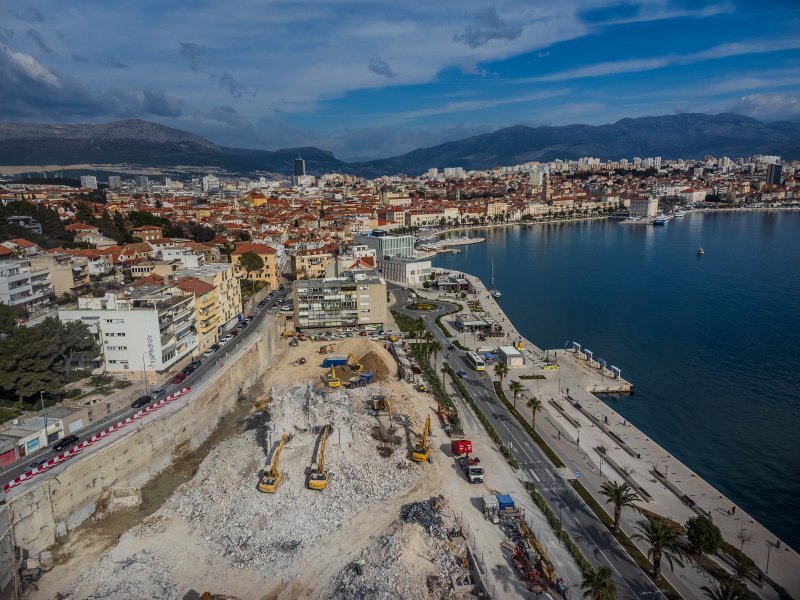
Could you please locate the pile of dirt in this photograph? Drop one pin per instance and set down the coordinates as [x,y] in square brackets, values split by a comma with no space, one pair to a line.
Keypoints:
[373,362]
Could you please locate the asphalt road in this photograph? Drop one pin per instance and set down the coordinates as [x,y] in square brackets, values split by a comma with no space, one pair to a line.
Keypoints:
[595,542]
[208,364]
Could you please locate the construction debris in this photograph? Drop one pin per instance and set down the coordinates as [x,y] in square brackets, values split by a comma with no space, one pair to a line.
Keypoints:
[427,514]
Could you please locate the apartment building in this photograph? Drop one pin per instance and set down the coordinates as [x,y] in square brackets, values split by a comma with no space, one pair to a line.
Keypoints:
[227,292]
[268,273]
[23,285]
[357,299]
[311,263]
[407,271]
[207,314]
[68,274]
[148,328]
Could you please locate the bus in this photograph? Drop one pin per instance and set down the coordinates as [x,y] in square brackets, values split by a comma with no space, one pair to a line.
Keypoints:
[476,362]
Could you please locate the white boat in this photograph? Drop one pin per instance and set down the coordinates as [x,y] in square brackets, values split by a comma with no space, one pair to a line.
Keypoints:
[680,213]
[700,251]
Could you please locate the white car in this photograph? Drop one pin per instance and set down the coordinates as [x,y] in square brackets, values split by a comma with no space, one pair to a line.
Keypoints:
[208,353]
[286,308]
[226,339]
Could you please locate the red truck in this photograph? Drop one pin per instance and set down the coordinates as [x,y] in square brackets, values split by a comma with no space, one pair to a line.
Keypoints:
[459,447]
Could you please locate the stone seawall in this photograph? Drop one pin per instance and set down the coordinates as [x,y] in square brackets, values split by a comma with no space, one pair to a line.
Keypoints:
[46,512]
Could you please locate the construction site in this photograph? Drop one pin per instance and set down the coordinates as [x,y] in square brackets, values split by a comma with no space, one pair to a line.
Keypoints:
[340,484]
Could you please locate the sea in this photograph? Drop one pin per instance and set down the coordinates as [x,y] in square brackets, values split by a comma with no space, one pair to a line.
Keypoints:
[711,343]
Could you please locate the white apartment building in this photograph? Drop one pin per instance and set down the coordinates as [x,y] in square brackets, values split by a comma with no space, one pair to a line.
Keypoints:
[407,271]
[357,299]
[89,182]
[149,328]
[24,286]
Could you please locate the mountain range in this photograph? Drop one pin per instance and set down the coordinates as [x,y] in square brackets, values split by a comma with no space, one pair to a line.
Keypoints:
[136,142]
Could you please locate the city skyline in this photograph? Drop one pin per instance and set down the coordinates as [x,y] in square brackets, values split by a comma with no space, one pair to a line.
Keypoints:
[379,79]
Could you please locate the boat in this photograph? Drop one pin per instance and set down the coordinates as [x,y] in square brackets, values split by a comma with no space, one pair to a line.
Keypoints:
[680,213]
[700,251]
[494,293]
[662,219]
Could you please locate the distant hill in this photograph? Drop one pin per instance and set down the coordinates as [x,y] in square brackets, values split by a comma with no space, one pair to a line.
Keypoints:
[149,144]
[673,136]
[143,143]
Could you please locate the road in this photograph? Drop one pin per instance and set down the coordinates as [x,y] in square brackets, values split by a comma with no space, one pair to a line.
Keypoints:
[595,542]
[207,365]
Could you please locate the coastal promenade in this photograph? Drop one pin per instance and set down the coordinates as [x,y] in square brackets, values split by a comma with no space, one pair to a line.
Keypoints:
[575,423]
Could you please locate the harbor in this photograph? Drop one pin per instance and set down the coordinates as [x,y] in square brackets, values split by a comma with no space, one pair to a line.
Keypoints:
[596,444]
[448,246]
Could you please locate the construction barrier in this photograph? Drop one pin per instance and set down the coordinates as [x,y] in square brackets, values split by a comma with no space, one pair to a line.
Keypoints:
[59,458]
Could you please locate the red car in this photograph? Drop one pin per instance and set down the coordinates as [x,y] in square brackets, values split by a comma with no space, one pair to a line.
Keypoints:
[179,377]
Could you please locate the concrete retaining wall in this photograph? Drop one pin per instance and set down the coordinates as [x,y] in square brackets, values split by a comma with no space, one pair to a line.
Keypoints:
[47,512]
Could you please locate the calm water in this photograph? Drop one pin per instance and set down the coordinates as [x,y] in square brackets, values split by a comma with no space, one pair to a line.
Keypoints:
[711,343]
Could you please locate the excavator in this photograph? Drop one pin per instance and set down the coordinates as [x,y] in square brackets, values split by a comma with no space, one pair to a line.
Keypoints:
[422,451]
[331,379]
[383,403]
[272,478]
[318,477]
[354,363]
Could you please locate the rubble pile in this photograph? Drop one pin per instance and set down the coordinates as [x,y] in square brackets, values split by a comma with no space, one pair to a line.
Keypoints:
[140,575]
[267,533]
[428,514]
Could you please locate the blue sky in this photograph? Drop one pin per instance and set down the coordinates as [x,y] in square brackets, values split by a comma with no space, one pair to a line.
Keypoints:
[376,78]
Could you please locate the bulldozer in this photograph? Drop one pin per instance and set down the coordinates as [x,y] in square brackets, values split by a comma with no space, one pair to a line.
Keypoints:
[354,363]
[422,451]
[271,479]
[331,380]
[318,477]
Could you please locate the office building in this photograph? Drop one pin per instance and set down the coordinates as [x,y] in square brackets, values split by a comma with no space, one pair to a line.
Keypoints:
[114,182]
[142,182]
[89,182]
[146,329]
[356,299]
[774,172]
[386,245]
[407,271]
[299,167]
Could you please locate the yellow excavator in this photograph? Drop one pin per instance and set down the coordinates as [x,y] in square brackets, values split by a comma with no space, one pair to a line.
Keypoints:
[422,451]
[272,478]
[318,477]
[331,379]
[383,403]
[354,363]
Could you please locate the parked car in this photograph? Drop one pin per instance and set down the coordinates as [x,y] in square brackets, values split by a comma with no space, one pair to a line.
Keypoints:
[158,393]
[179,378]
[280,287]
[262,304]
[65,443]
[215,347]
[286,307]
[38,463]
[451,347]
[233,333]
[249,318]
[208,353]
[188,369]
[142,401]
[226,339]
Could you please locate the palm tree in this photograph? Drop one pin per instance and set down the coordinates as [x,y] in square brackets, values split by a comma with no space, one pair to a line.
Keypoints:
[434,348]
[428,337]
[501,370]
[535,405]
[516,387]
[727,589]
[599,585]
[621,496]
[444,372]
[664,540]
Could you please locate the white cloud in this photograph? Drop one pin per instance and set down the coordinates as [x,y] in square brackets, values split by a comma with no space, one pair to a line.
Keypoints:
[767,107]
[28,66]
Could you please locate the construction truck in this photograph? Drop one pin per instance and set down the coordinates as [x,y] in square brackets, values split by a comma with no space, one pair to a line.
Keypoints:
[318,476]
[287,334]
[422,451]
[354,363]
[331,380]
[472,471]
[272,479]
[326,349]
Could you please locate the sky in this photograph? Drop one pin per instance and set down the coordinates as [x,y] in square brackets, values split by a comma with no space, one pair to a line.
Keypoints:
[371,79]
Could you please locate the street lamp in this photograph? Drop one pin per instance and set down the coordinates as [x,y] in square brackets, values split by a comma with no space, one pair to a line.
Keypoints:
[44,410]
[144,372]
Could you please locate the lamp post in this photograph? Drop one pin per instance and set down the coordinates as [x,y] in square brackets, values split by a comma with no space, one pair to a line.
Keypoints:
[666,474]
[144,373]
[44,410]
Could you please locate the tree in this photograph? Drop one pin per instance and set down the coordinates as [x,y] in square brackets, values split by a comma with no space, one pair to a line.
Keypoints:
[501,370]
[8,319]
[27,361]
[250,261]
[704,536]
[599,585]
[535,405]
[516,387]
[74,338]
[728,589]
[122,227]
[621,495]
[664,541]
[434,347]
